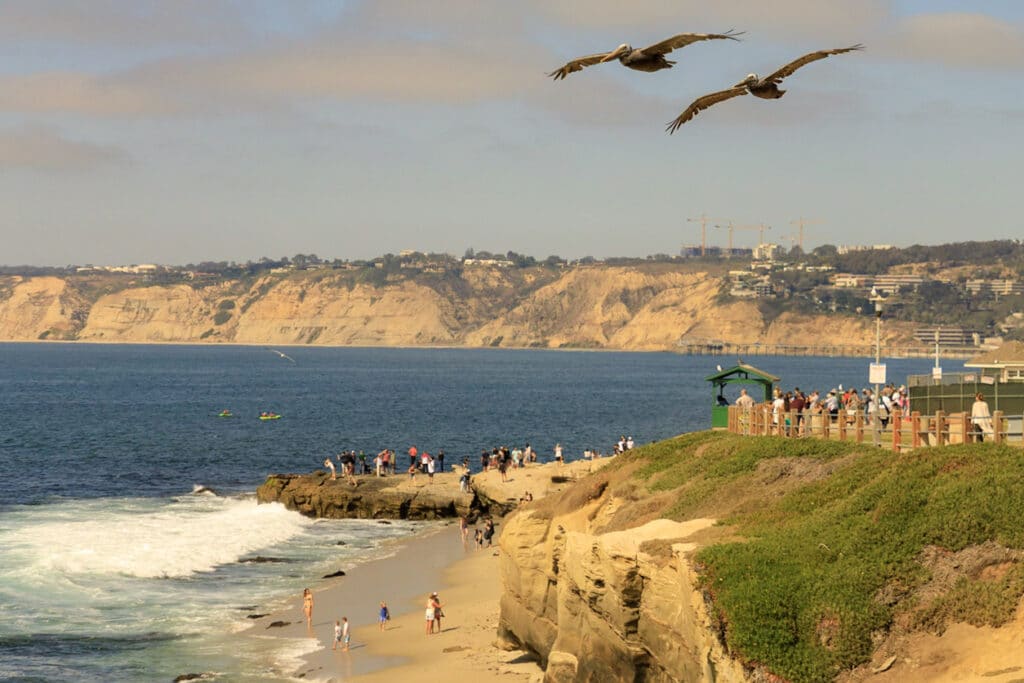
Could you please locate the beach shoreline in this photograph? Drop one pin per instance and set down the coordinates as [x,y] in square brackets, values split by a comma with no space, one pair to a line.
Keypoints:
[437,560]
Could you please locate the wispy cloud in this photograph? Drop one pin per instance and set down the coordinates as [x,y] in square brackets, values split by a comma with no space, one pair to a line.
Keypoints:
[110,23]
[44,149]
[824,19]
[959,40]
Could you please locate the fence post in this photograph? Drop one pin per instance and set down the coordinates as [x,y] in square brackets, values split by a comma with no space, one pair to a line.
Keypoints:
[842,424]
[997,426]
[964,423]
[897,431]
[915,426]
[940,424]
[826,424]
[858,427]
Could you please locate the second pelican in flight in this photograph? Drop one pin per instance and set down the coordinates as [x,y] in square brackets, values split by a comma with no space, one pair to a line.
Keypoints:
[766,88]
[650,58]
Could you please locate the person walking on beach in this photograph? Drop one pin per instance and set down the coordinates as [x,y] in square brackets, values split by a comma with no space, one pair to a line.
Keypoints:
[478,537]
[463,528]
[384,616]
[307,606]
[488,532]
[438,612]
[337,634]
[346,637]
[428,616]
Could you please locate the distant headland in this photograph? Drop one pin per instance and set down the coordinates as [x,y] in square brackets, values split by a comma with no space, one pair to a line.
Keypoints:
[768,299]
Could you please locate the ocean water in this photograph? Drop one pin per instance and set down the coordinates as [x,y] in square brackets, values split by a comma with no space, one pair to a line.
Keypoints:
[114,567]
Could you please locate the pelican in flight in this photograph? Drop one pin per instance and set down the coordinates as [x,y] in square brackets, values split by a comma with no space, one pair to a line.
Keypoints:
[766,88]
[650,58]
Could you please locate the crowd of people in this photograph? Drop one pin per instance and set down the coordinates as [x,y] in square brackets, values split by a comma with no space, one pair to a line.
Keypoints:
[501,458]
[791,410]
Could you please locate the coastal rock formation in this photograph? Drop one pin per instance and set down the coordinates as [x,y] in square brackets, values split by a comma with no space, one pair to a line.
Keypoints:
[399,497]
[394,497]
[608,606]
[639,307]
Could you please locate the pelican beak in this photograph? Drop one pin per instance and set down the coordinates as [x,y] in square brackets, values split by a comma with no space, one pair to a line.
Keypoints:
[614,54]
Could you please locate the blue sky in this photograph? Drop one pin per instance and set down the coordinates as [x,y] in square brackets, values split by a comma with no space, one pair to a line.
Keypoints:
[188,130]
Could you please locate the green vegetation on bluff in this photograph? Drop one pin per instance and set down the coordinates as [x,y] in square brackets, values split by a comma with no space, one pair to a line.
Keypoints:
[826,548]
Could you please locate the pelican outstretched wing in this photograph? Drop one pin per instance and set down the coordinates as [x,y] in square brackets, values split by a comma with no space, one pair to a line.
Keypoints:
[788,70]
[577,65]
[684,39]
[702,103]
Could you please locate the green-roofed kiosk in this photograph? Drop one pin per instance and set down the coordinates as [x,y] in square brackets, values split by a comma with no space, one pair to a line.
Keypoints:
[741,373]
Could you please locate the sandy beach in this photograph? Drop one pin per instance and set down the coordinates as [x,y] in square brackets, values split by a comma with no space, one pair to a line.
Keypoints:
[469,586]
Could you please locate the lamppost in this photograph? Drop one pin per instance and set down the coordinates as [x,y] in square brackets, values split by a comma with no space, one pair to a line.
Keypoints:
[878,370]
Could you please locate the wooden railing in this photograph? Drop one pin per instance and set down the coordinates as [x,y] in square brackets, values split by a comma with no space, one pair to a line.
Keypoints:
[900,432]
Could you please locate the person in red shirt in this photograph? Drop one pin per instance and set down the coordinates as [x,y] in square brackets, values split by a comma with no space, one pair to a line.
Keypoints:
[412,454]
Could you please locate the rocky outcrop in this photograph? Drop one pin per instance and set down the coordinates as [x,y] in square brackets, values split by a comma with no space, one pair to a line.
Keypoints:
[399,497]
[393,497]
[617,606]
[599,306]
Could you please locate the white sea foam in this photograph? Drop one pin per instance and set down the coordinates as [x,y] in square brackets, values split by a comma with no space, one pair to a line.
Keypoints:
[177,540]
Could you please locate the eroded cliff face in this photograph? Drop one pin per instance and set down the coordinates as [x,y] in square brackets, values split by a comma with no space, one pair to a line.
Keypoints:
[615,606]
[628,308]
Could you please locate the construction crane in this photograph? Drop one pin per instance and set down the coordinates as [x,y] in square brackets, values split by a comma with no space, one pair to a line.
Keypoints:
[760,228]
[704,220]
[730,226]
[801,222]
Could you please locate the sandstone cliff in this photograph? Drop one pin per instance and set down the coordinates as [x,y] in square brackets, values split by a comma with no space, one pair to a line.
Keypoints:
[598,605]
[607,307]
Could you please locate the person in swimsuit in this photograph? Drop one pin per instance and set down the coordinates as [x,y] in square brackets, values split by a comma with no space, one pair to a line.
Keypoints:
[429,616]
[385,615]
[307,606]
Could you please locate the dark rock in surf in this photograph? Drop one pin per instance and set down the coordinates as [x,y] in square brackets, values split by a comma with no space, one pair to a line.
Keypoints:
[331,576]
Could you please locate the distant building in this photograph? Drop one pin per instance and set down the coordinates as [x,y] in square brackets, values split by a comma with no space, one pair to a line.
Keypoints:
[848,280]
[849,248]
[890,284]
[1007,361]
[499,262]
[765,252]
[997,287]
[948,336]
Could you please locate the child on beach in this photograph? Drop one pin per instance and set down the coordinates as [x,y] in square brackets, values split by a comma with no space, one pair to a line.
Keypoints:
[385,614]
[337,634]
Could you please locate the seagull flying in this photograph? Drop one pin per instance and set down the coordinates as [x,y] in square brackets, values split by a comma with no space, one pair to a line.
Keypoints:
[650,58]
[766,88]
[285,356]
